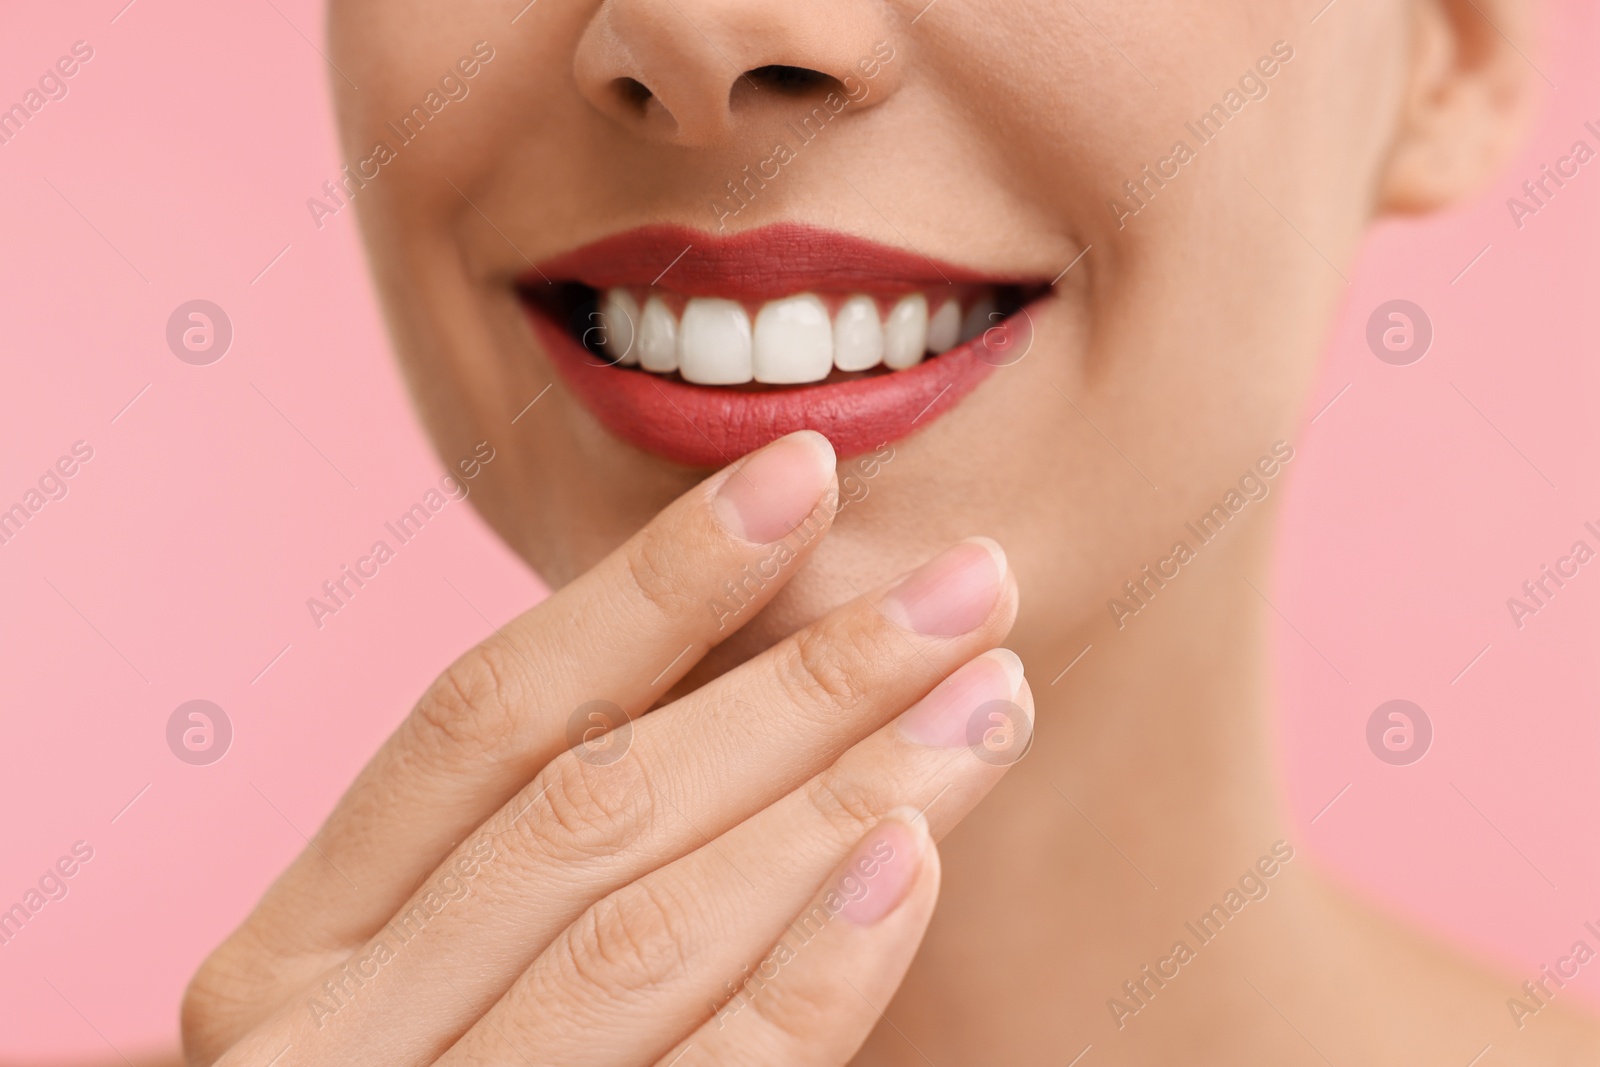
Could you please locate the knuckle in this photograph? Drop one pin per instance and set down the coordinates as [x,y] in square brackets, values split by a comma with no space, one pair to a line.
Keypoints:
[586,811]
[238,985]
[208,1016]
[652,574]
[794,1013]
[631,942]
[847,805]
[825,668]
[470,708]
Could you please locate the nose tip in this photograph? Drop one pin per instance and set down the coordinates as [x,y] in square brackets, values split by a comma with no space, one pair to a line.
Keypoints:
[687,72]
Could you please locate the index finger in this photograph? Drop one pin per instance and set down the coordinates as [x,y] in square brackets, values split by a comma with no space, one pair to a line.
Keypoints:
[616,640]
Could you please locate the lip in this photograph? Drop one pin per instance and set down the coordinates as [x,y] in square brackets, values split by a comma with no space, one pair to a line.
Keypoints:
[756,265]
[709,426]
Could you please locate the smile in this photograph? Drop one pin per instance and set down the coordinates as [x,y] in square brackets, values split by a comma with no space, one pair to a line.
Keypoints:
[700,348]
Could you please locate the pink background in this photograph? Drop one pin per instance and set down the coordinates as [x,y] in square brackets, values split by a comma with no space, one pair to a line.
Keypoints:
[222,498]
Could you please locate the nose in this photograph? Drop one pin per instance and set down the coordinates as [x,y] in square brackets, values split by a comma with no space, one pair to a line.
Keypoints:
[687,72]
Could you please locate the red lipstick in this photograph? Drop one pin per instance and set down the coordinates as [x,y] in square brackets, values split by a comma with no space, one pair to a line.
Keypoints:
[710,426]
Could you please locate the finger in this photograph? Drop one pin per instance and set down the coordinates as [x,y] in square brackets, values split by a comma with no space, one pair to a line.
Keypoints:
[621,634]
[639,968]
[812,1002]
[696,768]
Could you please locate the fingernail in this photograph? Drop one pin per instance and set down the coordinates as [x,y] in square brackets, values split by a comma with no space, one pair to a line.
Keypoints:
[951,593]
[973,707]
[881,871]
[769,494]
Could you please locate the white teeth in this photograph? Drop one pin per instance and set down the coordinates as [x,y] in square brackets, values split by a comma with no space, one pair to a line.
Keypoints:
[618,313]
[979,318]
[714,342]
[793,341]
[905,333]
[658,337]
[944,328]
[857,335]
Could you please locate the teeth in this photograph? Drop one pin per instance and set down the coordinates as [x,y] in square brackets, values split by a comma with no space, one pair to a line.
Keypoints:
[905,333]
[857,335]
[793,341]
[658,337]
[618,314]
[944,328]
[714,343]
[979,319]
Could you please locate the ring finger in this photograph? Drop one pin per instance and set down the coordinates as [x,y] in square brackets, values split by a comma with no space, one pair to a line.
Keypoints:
[649,963]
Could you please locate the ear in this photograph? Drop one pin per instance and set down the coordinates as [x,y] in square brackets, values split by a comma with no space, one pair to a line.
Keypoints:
[1471,90]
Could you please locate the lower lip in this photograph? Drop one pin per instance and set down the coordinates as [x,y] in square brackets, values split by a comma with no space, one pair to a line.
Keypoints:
[703,426]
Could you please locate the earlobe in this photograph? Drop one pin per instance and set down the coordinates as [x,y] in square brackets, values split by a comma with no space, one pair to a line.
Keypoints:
[1470,91]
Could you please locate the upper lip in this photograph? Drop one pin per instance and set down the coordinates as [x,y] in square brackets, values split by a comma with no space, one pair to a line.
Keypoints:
[755,265]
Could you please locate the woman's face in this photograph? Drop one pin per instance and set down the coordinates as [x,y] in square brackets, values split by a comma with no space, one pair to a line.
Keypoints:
[1206,170]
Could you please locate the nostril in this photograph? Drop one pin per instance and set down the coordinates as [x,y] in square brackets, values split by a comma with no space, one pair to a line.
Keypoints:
[790,81]
[780,81]
[632,92]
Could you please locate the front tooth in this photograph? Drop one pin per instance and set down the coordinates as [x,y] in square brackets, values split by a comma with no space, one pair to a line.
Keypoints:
[618,313]
[944,328]
[905,333]
[793,341]
[658,337]
[714,342]
[978,319]
[857,335]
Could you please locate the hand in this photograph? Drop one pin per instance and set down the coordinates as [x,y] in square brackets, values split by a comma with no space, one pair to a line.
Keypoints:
[743,870]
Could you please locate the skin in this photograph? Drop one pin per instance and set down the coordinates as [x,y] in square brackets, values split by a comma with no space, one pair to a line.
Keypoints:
[1187,335]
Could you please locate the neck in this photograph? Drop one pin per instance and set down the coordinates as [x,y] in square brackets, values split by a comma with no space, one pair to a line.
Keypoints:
[1148,793]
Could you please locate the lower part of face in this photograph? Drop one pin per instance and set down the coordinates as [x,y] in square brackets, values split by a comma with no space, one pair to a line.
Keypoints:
[1159,198]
